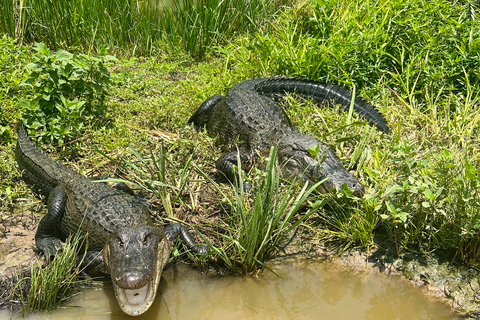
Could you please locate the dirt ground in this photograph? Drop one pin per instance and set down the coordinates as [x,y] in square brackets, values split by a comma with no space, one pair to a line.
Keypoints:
[17,243]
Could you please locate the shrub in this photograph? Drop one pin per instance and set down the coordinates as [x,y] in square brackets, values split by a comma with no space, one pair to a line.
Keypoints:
[68,91]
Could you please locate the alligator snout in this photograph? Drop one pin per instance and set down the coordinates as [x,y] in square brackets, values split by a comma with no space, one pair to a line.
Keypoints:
[133,279]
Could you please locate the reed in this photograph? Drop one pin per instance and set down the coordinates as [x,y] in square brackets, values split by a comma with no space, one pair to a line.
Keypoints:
[129,25]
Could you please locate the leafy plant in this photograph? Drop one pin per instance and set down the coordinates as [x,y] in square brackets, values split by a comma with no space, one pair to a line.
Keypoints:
[68,91]
[434,202]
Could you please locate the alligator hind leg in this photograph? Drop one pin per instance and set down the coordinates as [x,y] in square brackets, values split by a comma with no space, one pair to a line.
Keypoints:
[45,238]
[175,230]
[202,115]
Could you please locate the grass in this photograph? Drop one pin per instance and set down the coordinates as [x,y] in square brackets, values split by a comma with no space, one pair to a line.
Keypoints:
[44,288]
[258,225]
[134,25]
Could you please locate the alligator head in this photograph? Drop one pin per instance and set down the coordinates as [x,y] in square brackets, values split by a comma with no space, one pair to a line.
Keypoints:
[301,162]
[135,258]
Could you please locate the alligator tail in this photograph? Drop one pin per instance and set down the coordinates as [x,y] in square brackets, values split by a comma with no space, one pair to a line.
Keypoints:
[38,170]
[323,94]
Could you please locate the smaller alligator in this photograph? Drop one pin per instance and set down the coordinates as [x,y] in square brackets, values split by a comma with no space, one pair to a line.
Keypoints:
[122,239]
[249,117]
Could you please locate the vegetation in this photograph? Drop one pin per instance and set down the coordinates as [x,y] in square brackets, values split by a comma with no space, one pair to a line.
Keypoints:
[256,227]
[416,60]
[69,91]
[45,288]
[136,26]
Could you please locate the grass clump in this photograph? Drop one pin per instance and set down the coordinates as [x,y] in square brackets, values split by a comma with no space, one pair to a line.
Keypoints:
[44,288]
[258,225]
[158,175]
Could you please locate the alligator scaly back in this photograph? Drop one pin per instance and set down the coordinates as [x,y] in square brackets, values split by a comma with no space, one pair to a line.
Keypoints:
[38,170]
[323,94]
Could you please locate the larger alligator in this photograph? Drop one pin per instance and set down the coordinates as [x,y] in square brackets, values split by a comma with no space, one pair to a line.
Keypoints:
[122,239]
[249,117]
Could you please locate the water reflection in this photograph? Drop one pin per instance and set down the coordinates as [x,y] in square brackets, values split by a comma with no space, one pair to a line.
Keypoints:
[306,290]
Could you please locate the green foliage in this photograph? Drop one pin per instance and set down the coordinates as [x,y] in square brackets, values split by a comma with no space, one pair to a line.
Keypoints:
[434,202]
[45,288]
[133,25]
[415,47]
[258,224]
[197,25]
[12,73]
[69,91]
[158,175]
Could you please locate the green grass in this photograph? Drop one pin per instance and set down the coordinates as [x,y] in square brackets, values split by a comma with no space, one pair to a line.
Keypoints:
[129,25]
[258,224]
[44,288]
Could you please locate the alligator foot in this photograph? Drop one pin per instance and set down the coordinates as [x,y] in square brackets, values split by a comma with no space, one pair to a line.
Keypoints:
[116,185]
[49,246]
[175,230]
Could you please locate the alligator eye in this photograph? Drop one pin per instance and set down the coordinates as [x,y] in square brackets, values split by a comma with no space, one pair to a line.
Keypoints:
[120,242]
[146,238]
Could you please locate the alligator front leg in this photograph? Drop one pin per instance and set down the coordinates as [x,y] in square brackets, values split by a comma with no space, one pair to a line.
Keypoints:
[226,163]
[175,230]
[45,238]
[93,261]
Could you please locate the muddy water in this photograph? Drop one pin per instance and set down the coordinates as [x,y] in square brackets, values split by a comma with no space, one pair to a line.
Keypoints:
[306,290]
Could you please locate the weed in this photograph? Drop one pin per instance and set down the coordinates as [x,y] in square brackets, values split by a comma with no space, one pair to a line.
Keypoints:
[69,90]
[157,175]
[259,224]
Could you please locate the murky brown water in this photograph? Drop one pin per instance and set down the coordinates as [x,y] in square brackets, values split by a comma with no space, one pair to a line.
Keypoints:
[307,290]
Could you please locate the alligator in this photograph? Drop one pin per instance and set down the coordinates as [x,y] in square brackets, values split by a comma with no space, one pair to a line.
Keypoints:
[249,120]
[122,238]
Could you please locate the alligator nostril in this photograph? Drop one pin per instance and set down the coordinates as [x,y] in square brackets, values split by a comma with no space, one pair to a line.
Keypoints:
[359,190]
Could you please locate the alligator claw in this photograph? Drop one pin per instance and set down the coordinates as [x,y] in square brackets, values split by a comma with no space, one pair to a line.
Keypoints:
[201,249]
[247,187]
[50,247]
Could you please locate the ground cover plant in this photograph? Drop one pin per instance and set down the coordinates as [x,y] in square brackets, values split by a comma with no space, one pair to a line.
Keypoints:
[417,61]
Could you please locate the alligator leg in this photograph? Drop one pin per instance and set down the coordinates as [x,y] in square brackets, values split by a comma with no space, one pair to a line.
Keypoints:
[202,115]
[226,163]
[175,230]
[93,262]
[45,238]
[117,185]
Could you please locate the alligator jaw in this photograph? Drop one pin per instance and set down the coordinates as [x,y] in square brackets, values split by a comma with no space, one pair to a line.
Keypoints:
[135,302]
[136,264]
